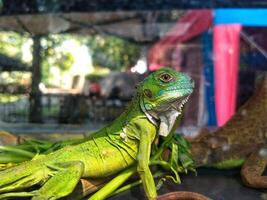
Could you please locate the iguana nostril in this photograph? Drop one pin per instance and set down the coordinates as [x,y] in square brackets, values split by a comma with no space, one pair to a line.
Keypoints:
[148,93]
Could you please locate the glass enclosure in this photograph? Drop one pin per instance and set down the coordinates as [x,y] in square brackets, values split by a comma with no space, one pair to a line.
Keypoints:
[68,68]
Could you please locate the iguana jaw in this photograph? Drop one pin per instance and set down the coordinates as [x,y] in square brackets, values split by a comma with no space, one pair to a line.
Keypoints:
[165,115]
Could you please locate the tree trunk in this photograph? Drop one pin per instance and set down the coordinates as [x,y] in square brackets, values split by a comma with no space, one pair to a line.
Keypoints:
[35,95]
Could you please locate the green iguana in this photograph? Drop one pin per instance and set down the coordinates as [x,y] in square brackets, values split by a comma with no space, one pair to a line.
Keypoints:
[242,141]
[123,145]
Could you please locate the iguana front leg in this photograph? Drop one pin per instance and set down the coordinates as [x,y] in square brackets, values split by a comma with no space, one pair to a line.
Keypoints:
[146,138]
[62,183]
[143,158]
[253,168]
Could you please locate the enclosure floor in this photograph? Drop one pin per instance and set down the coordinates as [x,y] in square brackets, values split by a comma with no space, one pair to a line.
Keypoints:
[217,185]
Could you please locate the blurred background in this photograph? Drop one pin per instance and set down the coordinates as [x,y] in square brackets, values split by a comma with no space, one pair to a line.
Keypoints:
[73,65]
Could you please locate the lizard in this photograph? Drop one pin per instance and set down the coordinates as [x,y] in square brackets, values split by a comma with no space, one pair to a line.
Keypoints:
[124,144]
[241,142]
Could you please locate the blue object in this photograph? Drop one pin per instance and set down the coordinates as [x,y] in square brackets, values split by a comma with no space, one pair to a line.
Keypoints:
[246,17]
[209,77]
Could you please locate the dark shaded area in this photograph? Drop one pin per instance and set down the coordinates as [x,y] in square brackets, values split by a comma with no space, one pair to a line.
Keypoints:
[38,6]
[216,184]
[13,89]
[246,86]
[73,109]
[253,48]
[8,63]
[258,35]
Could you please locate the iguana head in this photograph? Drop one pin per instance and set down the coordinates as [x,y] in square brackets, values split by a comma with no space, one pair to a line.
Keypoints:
[163,95]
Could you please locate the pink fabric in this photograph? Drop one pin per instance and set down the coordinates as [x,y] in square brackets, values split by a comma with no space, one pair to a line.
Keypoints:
[226,61]
[154,67]
[166,51]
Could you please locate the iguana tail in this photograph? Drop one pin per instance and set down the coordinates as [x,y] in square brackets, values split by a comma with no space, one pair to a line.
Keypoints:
[22,176]
[57,179]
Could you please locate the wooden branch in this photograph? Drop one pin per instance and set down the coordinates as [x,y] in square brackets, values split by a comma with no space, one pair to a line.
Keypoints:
[86,187]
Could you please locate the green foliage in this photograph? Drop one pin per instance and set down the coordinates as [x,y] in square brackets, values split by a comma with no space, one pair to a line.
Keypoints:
[228,164]
[11,43]
[53,55]
[8,98]
[180,154]
[107,51]
[180,160]
[112,52]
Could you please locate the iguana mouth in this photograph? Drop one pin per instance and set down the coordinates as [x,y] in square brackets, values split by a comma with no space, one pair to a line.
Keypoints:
[176,104]
[179,104]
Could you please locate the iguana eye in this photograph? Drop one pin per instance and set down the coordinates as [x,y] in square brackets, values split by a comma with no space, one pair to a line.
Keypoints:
[165,77]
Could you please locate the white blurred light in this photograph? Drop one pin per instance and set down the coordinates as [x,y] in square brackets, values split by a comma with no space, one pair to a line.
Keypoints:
[140,67]
[42,87]
[82,58]
[27,51]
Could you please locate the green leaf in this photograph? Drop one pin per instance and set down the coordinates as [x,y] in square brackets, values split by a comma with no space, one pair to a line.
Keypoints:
[174,156]
[181,141]
[176,179]
[186,160]
[160,183]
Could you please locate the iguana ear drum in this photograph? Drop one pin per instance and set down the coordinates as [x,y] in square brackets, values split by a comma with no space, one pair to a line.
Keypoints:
[148,93]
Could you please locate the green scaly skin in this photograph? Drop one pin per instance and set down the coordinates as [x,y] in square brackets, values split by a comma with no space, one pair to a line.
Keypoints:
[125,144]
